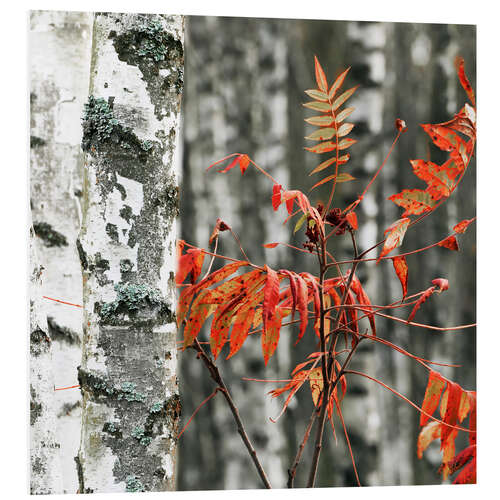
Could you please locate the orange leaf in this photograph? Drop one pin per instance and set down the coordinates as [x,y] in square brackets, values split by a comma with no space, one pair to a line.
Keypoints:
[302,305]
[271,334]
[442,283]
[352,219]
[244,162]
[401,269]
[271,296]
[459,62]
[451,414]
[462,226]
[450,243]
[435,387]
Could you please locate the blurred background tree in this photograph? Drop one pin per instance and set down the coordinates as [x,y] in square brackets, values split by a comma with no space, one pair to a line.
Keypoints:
[244,83]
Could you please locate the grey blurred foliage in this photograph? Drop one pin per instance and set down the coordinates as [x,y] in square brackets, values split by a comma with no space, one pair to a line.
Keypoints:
[244,88]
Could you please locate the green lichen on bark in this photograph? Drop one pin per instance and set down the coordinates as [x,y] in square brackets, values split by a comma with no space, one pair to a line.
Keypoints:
[102,130]
[134,485]
[158,55]
[131,300]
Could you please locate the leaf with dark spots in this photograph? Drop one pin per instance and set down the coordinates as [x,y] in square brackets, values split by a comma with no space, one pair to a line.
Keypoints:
[461,227]
[271,334]
[450,243]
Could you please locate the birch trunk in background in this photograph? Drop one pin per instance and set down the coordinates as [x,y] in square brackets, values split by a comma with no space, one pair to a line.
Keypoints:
[128,374]
[59,45]
[238,103]
[45,464]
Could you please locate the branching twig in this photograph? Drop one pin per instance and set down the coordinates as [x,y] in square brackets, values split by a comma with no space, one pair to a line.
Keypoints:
[217,378]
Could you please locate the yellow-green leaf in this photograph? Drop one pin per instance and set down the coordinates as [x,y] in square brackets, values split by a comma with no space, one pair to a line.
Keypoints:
[343,98]
[345,128]
[317,106]
[346,143]
[299,223]
[344,114]
[343,177]
[323,147]
[324,165]
[317,94]
[338,83]
[320,121]
[322,134]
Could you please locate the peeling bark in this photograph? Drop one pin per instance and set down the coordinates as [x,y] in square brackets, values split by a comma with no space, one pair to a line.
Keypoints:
[128,374]
[45,465]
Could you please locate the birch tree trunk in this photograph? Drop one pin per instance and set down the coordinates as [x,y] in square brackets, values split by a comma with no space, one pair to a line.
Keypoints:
[59,45]
[128,374]
[45,465]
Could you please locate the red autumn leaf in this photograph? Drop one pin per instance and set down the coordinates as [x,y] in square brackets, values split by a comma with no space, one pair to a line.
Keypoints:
[190,262]
[468,473]
[442,283]
[420,301]
[395,237]
[414,201]
[270,245]
[200,310]
[222,323]
[450,243]
[188,293]
[352,219]
[459,63]
[320,76]
[271,296]
[271,334]
[462,226]
[302,299]
[363,298]
[462,458]
[401,268]
[230,289]
[244,162]
[293,288]
[472,418]
[315,292]
[276,198]
[197,265]
[451,413]
[242,324]
[435,387]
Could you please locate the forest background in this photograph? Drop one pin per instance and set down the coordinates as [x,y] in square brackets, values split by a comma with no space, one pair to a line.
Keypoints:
[295,104]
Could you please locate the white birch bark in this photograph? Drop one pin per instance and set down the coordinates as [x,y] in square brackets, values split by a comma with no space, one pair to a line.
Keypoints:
[128,373]
[45,464]
[59,44]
